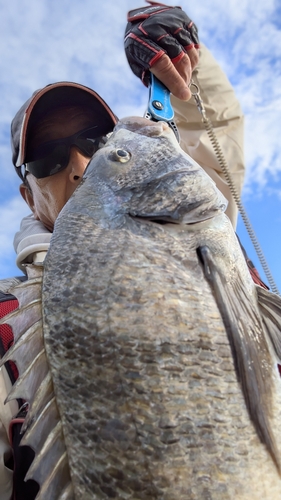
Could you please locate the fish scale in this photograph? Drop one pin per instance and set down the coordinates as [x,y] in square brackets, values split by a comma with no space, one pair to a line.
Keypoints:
[162,353]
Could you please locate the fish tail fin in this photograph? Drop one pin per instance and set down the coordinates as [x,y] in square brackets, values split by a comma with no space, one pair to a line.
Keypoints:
[250,350]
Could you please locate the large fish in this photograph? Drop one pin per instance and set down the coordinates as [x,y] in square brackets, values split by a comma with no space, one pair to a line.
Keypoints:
[150,366]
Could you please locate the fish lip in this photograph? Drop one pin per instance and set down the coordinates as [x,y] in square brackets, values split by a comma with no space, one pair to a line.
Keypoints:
[200,222]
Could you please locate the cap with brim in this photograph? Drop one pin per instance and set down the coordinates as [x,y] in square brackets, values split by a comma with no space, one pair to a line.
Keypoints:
[50,98]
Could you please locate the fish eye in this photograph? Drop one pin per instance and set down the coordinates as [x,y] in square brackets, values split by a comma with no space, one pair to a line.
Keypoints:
[120,155]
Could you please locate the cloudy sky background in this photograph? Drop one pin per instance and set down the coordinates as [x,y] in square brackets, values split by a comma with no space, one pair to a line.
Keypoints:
[44,41]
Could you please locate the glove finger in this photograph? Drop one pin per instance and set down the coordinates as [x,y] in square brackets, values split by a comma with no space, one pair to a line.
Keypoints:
[186,33]
[185,38]
[194,34]
[141,53]
[184,68]
[177,45]
[178,24]
[171,46]
[142,56]
[167,73]
[193,55]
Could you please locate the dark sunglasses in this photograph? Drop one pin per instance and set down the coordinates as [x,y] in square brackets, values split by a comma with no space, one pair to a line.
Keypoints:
[52,157]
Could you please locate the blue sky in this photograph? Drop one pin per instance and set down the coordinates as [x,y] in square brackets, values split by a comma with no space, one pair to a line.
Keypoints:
[44,41]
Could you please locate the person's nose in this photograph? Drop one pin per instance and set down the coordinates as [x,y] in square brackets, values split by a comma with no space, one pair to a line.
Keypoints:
[77,165]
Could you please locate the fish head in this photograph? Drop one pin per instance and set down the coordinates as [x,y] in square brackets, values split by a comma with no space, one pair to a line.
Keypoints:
[142,172]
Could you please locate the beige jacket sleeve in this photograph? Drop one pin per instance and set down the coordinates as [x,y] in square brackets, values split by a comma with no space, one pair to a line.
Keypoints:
[6,413]
[223,109]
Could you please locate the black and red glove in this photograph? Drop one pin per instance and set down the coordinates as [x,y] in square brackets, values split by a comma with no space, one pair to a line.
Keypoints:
[154,31]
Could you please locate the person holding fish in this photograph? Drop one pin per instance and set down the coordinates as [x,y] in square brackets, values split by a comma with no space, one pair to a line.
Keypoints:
[58,130]
[174,60]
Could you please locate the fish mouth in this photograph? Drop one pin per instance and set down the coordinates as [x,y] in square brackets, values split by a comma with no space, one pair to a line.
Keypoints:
[168,221]
[156,220]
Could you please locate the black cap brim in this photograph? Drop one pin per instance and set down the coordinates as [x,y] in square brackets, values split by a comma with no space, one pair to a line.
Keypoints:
[51,97]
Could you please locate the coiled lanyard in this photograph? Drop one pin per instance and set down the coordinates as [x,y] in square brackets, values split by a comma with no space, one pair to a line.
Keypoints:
[224,167]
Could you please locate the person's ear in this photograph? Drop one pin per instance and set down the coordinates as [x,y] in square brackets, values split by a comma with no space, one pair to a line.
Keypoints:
[28,198]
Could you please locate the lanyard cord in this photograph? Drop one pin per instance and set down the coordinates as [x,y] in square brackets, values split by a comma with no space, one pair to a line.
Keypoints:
[224,167]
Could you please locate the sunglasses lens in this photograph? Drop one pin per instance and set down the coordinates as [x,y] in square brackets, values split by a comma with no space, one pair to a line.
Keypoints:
[51,164]
[88,142]
[54,156]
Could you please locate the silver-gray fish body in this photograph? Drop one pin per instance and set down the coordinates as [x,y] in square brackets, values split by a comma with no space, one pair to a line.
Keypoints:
[159,356]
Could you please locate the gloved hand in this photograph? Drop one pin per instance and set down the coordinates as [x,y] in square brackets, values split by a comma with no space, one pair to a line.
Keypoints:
[164,40]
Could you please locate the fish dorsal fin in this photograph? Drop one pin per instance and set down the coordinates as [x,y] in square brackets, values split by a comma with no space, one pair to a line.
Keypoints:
[42,425]
[7,284]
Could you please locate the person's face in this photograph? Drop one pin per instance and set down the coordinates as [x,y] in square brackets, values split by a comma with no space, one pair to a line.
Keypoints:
[50,194]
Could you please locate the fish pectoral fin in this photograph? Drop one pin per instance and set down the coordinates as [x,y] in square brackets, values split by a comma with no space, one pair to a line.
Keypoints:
[270,310]
[248,342]
[225,299]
